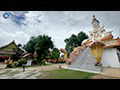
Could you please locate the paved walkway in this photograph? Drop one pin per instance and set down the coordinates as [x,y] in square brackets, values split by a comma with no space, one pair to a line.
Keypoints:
[17,73]
[114,72]
[2,65]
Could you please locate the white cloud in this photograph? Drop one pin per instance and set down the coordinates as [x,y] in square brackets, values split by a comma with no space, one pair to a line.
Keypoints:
[57,24]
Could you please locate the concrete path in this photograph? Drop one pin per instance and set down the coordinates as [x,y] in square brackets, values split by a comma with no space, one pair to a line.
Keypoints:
[17,73]
[114,72]
[2,65]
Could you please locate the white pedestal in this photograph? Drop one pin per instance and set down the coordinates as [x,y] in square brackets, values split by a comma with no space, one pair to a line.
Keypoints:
[110,58]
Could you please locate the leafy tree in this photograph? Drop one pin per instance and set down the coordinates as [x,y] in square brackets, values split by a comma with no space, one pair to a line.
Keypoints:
[19,45]
[42,47]
[17,54]
[30,46]
[62,55]
[55,54]
[74,41]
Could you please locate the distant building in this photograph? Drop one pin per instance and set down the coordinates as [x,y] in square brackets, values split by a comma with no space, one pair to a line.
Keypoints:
[7,50]
[29,58]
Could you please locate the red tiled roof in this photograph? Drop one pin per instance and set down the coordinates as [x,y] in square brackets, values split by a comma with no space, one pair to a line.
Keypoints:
[118,44]
[27,55]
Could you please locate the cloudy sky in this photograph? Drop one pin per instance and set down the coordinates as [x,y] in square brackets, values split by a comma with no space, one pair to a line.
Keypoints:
[57,24]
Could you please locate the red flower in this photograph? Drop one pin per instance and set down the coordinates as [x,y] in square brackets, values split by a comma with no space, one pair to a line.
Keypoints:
[49,60]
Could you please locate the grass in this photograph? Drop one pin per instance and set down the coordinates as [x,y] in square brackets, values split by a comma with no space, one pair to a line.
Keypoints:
[6,72]
[30,74]
[64,74]
[54,74]
[33,66]
[13,73]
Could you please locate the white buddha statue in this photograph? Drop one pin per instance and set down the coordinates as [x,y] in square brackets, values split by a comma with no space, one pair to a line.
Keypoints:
[96,33]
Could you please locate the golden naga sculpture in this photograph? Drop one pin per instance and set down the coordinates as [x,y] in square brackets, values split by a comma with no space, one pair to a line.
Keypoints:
[96,49]
[65,53]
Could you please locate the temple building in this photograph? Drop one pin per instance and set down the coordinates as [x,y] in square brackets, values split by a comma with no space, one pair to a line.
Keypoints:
[102,49]
[7,50]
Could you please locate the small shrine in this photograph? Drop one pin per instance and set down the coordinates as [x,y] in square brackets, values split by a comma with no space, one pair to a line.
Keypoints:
[100,50]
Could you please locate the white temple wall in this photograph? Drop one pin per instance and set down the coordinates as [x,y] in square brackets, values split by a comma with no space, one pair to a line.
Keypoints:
[110,58]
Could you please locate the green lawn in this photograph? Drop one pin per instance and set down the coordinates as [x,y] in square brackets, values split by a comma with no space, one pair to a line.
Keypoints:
[6,72]
[64,74]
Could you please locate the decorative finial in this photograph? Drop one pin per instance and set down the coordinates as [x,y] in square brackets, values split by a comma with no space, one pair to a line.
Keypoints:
[93,16]
[94,19]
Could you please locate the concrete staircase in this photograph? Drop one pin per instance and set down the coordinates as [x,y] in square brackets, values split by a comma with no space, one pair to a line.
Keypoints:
[84,61]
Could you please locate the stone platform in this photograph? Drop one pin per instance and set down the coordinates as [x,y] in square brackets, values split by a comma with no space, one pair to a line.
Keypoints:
[84,62]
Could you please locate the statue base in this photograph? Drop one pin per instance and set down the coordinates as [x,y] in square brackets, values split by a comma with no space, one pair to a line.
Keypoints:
[110,57]
[84,62]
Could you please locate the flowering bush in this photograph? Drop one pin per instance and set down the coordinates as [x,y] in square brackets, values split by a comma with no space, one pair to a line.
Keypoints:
[52,60]
[49,60]
[12,64]
[55,60]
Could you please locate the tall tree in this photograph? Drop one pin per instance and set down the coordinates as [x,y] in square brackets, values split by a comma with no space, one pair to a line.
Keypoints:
[42,47]
[55,53]
[74,41]
[30,46]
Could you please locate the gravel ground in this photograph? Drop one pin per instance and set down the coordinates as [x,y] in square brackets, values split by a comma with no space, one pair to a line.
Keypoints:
[32,73]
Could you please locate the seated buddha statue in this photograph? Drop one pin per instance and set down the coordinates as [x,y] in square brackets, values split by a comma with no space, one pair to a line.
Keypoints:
[96,33]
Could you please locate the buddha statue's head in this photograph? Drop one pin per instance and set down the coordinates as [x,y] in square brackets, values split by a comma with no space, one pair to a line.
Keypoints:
[95,22]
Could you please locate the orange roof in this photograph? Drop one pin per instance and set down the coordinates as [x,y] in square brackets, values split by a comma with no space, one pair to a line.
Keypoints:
[118,44]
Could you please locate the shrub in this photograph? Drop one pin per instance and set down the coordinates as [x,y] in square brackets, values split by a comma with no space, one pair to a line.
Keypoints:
[62,61]
[13,64]
[16,63]
[51,61]
[34,61]
[21,61]
[43,62]
[8,65]
[39,63]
